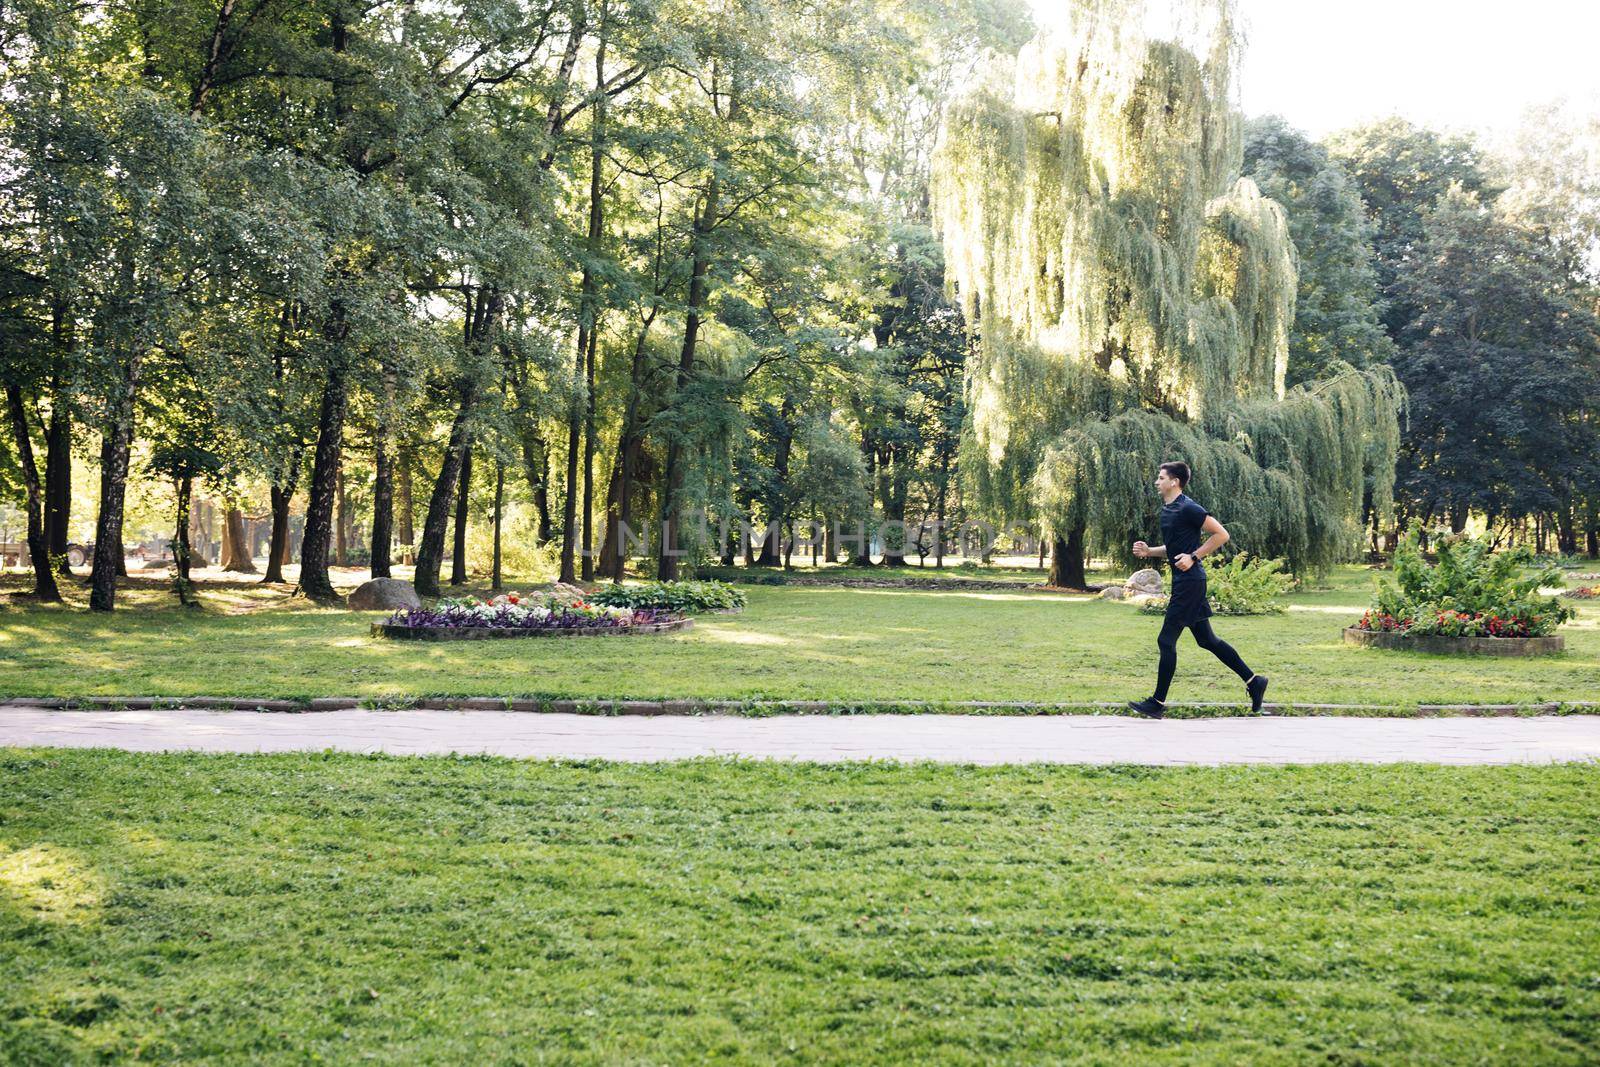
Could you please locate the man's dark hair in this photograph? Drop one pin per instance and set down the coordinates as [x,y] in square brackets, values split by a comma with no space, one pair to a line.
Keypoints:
[1179,470]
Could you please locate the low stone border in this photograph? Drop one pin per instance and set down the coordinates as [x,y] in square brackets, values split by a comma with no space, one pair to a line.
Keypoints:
[482,633]
[1458,646]
[763,708]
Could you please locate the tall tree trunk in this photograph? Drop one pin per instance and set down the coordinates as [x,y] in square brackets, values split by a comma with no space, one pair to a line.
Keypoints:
[458,555]
[672,475]
[495,579]
[58,479]
[896,469]
[536,468]
[328,459]
[619,496]
[1066,561]
[44,578]
[314,581]
[430,553]
[1566,529]
[115,448]
[704,229]
[778,512]
[569,503]
[586,565]
[730,546]
[382,502]
[341,555]
[939,532]
[181,550]
[58,444]
[405,528]
[610,534]
[235,546]
[282,492]
[861,554]
[596,235]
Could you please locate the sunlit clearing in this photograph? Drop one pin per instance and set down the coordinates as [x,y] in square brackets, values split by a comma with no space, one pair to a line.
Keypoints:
[47,883]
[743,637]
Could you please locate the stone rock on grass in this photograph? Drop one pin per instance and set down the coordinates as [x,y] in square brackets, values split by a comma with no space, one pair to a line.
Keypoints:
[1113,592]
[1143,581]
[384,594]
[567,594]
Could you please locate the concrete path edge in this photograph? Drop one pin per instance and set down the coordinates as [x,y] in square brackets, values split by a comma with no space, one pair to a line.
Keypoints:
[764,708]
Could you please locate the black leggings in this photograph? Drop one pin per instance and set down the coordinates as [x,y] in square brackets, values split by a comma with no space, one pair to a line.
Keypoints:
[1206,639]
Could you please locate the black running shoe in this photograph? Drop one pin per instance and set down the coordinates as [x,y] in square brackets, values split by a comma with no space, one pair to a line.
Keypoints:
[1257,688]
[1150,707]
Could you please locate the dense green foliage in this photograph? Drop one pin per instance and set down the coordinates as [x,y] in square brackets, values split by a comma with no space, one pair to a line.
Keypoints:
[281,909]
[1336,301]
[493,284]
[1505,380]
[1470,591]
[1240,585]
[1134,295]
[575,266]
[1489,279]
[674,597]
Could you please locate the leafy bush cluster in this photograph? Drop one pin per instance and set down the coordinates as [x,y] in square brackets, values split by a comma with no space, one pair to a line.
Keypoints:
[672,597]
[1472,591]
[1241,585]
[513,611]
[1246,585]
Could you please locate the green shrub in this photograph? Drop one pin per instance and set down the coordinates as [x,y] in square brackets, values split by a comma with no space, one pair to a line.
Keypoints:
[672,596]
[1241,585]
[1472,591]
[1246,585]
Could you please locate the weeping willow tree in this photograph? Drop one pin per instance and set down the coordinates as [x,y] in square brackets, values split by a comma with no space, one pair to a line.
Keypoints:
[1132,296]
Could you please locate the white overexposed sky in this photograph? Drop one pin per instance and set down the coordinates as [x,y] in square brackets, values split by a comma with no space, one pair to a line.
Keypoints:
[1450,64]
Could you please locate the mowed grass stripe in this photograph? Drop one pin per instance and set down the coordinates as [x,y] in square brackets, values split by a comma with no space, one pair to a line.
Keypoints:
[430,910]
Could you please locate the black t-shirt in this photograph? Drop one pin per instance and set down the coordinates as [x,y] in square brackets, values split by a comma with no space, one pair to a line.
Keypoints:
[1180,532]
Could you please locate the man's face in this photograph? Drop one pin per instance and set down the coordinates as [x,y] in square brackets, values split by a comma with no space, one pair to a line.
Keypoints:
[1165,483]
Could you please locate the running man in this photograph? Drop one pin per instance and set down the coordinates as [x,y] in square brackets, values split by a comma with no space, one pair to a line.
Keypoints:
[1182,523]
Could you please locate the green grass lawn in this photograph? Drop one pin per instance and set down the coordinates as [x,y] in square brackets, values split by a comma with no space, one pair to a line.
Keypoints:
[790,643]
[335,908]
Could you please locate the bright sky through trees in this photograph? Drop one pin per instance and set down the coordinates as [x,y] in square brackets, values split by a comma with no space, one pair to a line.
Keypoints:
[1467,64]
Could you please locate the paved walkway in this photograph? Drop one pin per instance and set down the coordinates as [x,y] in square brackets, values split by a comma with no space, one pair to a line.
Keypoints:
[942,738]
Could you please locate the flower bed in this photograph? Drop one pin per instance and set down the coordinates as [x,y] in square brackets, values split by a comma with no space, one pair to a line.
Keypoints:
[513,615]
[1450,623]
[1590,592]
[1472,600]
